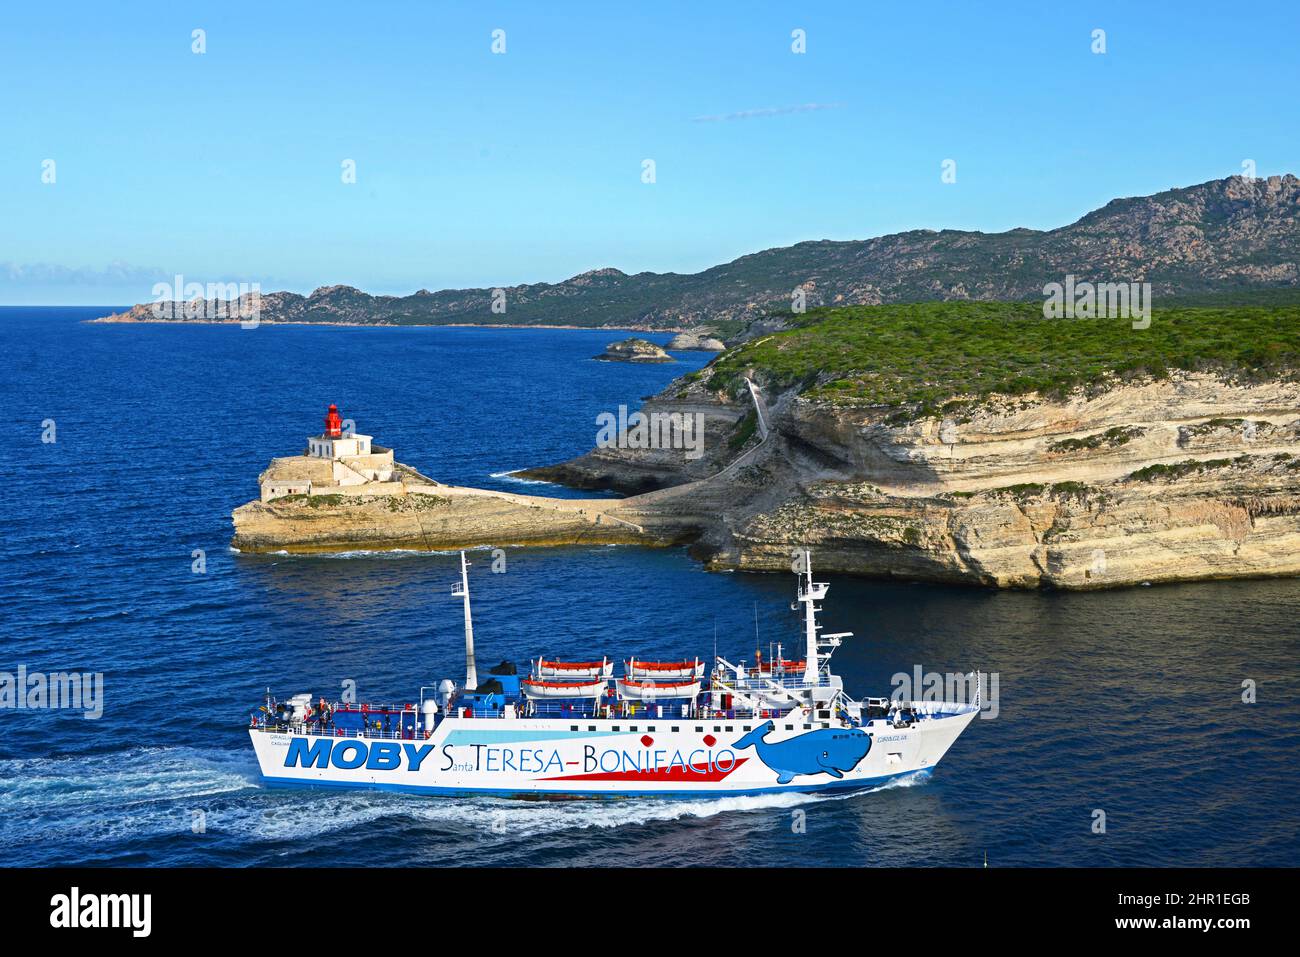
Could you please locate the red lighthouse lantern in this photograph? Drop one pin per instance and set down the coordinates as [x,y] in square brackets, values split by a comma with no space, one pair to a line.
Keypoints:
[333,423]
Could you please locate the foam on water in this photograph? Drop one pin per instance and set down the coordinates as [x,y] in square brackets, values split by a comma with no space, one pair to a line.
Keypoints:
[155,790]
[309,813]
[381,553]
[510,476]
[107,796]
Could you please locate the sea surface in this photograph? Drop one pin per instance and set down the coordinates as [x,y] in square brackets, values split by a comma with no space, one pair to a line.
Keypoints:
[1127,702]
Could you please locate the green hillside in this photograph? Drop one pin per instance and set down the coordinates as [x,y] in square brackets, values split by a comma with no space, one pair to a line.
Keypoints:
[923,355]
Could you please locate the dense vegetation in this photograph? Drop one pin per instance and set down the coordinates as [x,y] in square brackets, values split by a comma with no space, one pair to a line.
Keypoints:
[923,355]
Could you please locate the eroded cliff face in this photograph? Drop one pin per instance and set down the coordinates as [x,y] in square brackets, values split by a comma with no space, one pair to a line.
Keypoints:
[722,423]
[1186,478]
[1244,523]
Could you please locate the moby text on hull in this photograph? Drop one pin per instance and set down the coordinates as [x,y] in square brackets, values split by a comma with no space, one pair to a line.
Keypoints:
[575,729]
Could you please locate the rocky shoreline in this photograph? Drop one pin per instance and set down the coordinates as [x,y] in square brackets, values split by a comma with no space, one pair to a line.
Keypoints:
[449,519]
[1191,477]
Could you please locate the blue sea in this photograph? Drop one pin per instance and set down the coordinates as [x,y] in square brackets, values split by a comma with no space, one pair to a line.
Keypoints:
[1125,702]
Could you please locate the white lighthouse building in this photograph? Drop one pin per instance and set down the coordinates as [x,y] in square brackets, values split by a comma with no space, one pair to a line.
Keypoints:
[335,461]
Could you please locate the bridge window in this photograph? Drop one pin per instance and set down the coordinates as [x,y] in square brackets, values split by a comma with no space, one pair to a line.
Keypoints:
[573,727]
[591,727]
[789,727]
[675,728]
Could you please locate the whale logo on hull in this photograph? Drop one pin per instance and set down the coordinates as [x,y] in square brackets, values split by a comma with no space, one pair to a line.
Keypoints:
[826,751]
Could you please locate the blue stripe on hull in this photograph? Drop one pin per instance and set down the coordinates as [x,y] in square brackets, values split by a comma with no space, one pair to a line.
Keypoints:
[562,795]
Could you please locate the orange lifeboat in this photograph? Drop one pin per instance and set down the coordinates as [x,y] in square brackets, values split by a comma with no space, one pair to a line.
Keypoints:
[632,689]
[537,688]
[664,669]
[574,669]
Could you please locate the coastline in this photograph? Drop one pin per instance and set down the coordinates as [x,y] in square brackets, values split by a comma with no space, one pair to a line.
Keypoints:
[109,320]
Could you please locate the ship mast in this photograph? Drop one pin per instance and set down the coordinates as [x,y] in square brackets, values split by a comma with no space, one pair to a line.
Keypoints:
[810,593]
[461,588]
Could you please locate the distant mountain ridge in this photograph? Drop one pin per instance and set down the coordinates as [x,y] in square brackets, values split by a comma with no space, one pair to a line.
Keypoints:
[1234,235]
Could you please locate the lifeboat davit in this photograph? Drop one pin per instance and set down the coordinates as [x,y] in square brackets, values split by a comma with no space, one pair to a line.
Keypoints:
[664,669]
[633,689]
[537,688]
[574,669]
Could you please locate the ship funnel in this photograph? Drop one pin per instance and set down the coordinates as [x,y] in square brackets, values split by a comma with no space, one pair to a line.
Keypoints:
[446,690]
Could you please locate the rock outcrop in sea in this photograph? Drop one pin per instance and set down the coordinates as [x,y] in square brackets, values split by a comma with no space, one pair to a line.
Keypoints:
[346,493]
[634,350]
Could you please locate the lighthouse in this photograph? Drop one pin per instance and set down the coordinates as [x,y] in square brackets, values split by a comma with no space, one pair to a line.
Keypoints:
[338,460]
[333,423]
[333,443]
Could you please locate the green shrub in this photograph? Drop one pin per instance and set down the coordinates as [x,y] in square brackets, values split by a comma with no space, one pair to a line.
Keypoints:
[1177,469]
[920,357]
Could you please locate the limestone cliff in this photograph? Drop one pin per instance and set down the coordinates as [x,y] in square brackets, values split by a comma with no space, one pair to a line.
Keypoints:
[1191,476]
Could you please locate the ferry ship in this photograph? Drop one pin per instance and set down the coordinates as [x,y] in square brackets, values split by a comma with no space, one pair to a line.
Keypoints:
[575,729]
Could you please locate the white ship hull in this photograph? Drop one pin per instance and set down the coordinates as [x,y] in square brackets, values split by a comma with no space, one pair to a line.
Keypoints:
[750,731]
[604,758]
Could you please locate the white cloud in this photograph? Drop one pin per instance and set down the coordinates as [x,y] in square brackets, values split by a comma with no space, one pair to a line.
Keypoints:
[767,111]
[53,274]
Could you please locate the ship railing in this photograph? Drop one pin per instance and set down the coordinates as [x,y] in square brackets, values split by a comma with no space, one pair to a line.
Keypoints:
[766,684]
[371,707]
[701,712]
[929,708]
[663,712]
[333,731]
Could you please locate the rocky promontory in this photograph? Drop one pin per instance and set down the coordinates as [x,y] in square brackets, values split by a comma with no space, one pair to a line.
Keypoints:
[1096,478]
[967,443]
[1178,480]
[449,517]
[696,342]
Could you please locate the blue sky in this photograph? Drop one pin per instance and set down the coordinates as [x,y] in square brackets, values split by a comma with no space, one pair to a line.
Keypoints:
[479,169]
